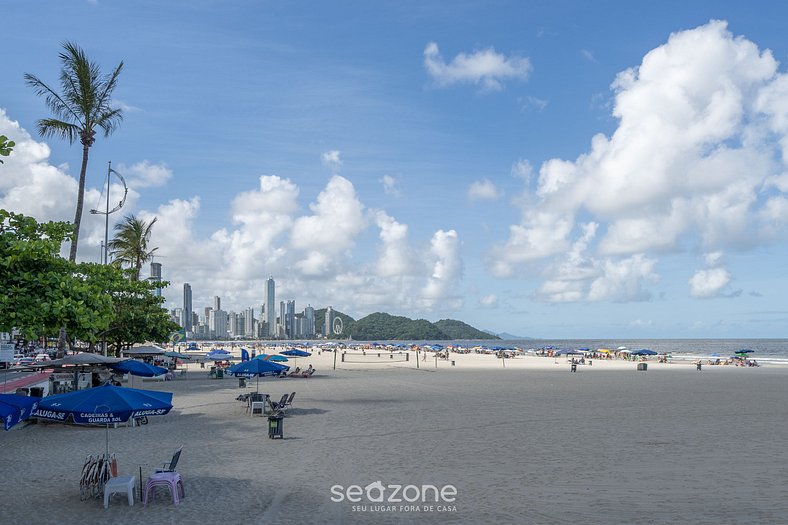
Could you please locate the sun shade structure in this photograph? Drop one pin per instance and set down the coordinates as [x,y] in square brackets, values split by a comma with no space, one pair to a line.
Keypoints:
[295,352]
[257,367]
[104,404]
[138,368]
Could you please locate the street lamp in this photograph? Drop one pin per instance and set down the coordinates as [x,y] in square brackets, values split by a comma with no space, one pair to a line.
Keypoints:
[107,213]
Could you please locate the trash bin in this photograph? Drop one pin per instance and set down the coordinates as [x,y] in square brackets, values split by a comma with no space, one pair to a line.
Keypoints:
[219,373]
[275,426]
[452,362]
[642,366]
[241,382]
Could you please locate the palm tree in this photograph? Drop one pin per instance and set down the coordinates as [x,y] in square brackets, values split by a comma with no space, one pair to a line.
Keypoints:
[84,104]
[129,247]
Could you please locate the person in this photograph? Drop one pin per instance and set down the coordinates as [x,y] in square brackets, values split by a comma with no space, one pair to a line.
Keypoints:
[699,364]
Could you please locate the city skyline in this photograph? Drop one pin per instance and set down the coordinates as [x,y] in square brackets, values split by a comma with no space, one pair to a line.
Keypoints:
[553,170]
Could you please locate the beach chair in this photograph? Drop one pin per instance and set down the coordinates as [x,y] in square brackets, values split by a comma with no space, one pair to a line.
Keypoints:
[280,406]
[289,402]
[170,466]
[253,398]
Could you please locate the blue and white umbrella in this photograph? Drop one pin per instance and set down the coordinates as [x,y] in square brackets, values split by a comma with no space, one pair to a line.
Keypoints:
[257,367]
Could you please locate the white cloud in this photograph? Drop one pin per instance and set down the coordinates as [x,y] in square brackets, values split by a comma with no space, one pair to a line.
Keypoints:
[483,190]
[390,186]
[332,160]
[396,257]
[693,164]
[588,55]
[489,301]
[127,108]
[145,175]
[486,68]
[446,270]
[705,284]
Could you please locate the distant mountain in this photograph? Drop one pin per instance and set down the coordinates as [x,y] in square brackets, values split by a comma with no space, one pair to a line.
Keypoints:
[459,330]
[510,337]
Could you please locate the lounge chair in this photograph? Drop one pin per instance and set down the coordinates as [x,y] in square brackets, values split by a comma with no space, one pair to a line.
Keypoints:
[170,466]
[279,406]
[289,402]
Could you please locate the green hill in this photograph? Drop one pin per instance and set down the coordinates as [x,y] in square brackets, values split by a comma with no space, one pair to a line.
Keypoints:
[458,330]
[381,326]
[320,323]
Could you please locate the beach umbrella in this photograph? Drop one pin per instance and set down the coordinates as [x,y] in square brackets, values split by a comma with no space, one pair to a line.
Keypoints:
[218,355]
[177,355]
[104,405]
[276,358]
[14,408]
[744,351]
[644,351]
[295,352]
[138,368]
[257,367]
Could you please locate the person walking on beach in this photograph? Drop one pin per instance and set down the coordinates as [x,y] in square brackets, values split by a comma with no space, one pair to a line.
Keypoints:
[699,365]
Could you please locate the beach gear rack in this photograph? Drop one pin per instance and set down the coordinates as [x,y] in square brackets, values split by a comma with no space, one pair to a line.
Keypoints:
[95,473]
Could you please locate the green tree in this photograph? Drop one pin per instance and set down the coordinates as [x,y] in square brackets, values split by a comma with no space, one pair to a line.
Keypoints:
[6,146]
[137,313]
[83,106]
[42,292]
[130,246]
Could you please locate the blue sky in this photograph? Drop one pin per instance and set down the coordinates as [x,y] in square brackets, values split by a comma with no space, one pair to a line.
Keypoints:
[551,169]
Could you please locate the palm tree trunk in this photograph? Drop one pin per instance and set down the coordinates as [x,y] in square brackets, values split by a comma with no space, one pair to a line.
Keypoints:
[80,202]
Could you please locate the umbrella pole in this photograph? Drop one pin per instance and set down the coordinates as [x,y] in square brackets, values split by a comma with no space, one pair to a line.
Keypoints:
[106,447]
[258,383]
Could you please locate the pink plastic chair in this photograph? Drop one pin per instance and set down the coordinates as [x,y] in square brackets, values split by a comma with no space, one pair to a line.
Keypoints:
[164,479]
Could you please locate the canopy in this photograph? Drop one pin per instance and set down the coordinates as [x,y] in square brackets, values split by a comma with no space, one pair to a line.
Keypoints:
[744,351]
[144,350]
[295,352]
[257,367]
[568,351]
[14,408]
[84,358]
[218,356]
[138,368]
[644,351]
[104,404]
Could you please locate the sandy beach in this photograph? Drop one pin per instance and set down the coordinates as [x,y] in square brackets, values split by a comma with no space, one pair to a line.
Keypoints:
[526,443]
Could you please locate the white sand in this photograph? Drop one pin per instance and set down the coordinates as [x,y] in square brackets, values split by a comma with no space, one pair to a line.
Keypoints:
[528,443]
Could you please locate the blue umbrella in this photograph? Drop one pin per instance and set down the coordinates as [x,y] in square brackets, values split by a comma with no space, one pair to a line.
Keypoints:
[257,367]
[14,408]
[744,351]
[138,368]
[295,352]
[644,351]
[218,355]
[104,405]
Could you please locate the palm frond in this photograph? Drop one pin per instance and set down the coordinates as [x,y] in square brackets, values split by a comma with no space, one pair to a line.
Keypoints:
[49,127]
[51,98]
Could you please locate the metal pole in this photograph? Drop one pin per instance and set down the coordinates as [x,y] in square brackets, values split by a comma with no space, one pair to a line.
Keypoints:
[106,220]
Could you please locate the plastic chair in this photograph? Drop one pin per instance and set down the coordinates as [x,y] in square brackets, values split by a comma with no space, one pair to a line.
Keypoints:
[117,485]
[172,480]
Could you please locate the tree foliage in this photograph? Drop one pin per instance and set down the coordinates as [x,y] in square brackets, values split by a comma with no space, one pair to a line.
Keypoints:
[6,146]
[460,330]
[131,245]
[44,292]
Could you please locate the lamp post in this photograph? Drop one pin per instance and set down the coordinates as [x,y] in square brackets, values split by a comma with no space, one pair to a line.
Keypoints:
[106,214]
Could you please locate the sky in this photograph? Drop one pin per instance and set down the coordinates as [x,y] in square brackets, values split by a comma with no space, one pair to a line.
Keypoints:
[562,169]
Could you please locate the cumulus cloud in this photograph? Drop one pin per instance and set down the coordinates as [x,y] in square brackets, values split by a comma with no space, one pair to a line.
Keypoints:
[446,270]
[145,175]
[485,68]
[331,160]
[709,283]
[697,161]
[483,190]
[269,234]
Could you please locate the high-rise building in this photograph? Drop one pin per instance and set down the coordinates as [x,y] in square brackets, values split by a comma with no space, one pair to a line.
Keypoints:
[155,276]
[282,329]
[270,308]
[232,324]
[187,307]
[249,322]
[290,327]
[328,327]
[217,302]
[309,321]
